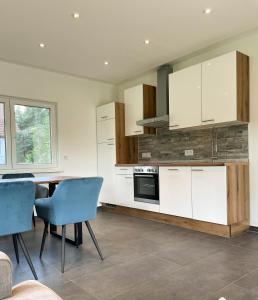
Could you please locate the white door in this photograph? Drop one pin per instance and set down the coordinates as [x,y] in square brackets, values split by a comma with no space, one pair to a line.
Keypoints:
[124,190]
[133,99]
[209,194]
[219,89]
[106,131]
[106,111]
[185,98]
[106,169]
[175,191]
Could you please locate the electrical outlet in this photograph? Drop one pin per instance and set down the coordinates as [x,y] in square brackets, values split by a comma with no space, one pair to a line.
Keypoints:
[146,155]
[189,152]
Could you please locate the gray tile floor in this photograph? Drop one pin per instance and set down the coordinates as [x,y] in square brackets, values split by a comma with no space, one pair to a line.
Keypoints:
[144,260]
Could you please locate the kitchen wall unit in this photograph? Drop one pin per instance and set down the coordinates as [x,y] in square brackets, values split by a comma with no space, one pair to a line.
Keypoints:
[212,199]
[113,147]
[185,97]
[140,103]
[213,92]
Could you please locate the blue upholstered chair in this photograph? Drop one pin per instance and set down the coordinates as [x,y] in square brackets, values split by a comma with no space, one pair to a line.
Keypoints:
[41,190]
[16,205]
[74,201]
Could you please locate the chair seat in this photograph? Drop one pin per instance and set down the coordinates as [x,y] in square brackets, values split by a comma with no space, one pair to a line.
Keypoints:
[43,208]
[31,290]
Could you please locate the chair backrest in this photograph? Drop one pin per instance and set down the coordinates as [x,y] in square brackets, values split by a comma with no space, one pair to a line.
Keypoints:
[75,200]
[17,175]
[16,205]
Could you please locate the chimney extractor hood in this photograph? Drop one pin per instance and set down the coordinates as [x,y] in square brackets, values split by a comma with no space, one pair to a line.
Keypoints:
[162,117]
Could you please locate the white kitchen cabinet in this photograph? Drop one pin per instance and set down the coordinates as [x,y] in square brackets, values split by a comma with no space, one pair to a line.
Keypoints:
[106,169]
[214,92]
[225,89]
[209,194]
[175,191]
[106,131]
[146,206]
[185,98]
[133,98]
[219,89]
[106,112]
[140,103]
[124,189]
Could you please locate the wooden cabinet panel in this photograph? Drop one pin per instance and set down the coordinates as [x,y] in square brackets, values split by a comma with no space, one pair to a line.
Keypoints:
[175,191]
[185,98]
[209,194]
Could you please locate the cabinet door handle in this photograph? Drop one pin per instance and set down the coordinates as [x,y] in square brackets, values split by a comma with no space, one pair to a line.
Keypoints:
[197,170]
[172,126]
[123,169]
[173,169]
[210,120]
[136,131]
[110,144]
[128,177]
[110,139]
[104,117]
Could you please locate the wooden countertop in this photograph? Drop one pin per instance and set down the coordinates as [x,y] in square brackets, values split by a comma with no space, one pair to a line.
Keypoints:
[184,164]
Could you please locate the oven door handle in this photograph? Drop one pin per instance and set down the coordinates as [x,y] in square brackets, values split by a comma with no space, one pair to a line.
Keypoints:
[152,176]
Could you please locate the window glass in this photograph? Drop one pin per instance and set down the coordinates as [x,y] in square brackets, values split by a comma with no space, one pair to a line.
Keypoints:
[32,135]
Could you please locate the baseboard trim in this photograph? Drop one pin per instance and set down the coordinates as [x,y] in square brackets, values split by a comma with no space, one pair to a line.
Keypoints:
[210,228]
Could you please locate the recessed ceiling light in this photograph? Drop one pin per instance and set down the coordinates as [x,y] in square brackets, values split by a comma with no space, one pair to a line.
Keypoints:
[76,15]
[106,63]
[42,45]
[207,11]
[146,42]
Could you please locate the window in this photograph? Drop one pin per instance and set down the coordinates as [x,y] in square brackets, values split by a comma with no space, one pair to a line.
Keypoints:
[31,128]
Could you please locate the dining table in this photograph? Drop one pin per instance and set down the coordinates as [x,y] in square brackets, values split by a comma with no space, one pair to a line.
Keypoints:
[52,182]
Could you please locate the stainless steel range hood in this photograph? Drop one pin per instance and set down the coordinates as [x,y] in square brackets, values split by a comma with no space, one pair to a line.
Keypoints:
[162,117]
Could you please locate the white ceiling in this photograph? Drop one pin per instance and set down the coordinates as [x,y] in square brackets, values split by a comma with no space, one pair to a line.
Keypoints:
[115,30]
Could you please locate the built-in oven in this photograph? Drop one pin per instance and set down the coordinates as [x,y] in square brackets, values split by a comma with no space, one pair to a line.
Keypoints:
[146,184]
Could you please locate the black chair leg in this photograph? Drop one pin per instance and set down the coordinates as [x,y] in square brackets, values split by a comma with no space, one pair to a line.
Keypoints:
[33,220]
[15,244]
[43,238]
[63,248]
[76,235]
[26,254]
[94,239]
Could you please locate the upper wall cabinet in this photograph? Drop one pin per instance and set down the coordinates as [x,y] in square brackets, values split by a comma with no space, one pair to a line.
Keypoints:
[185,97]
[225,89]
[140,103]
[106,112]
[214,92]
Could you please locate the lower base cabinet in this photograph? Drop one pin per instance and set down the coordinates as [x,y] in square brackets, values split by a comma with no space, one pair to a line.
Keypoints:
[209,194]
[175,191]
[124,190]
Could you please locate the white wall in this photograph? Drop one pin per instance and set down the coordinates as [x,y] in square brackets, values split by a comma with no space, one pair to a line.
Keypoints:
[76,99]
[248,44]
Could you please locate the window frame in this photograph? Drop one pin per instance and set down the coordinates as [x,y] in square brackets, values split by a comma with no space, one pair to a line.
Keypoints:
[10,131]
[7,130]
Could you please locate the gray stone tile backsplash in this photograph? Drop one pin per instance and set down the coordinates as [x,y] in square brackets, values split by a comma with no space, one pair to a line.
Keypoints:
[227,143]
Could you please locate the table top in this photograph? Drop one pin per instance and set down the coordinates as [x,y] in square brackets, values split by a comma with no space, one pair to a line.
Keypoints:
[42,180]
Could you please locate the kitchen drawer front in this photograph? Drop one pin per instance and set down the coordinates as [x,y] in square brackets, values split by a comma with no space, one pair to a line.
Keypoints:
[124,170]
